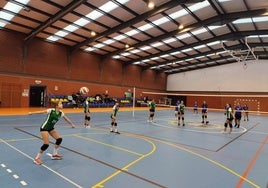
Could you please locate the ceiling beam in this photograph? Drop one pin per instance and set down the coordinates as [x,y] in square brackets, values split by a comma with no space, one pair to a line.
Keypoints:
[134,21]
[210,21]
[233,36]
[71,6]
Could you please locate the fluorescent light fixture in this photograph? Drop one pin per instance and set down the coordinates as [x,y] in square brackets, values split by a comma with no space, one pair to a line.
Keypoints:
[187,50]
[132,32]
[145,27]
[145,60]
[119,37]
[135,51]
[136,63]
[183,36]
[155,58]
[213,43]
[116,57]
[165,55]
[161,21]
[146,48]
[157,44]
[13,8]
[125,54]
[199,6]
[89,49]
[249,20]
[175,53]
[107,7]
[257,36]
[200,46]
[170,40]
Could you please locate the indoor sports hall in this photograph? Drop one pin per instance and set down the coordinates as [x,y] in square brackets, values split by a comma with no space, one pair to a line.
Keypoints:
[133,93]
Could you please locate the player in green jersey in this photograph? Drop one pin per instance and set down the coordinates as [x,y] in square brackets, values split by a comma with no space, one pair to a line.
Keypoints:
[151,110]
[113,127]
[47,128]
[229,118]
[86,112]
[181,113]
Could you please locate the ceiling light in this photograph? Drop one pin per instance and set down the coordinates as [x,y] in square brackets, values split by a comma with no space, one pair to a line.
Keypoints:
[93,33]
[126,45]
[181,27]
[150,4]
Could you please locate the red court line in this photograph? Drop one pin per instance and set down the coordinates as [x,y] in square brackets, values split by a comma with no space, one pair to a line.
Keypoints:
[251,164]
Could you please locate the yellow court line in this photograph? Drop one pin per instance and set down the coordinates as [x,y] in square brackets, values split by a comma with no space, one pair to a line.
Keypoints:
[125,168]
[20,139]
[109,145]
[208,159]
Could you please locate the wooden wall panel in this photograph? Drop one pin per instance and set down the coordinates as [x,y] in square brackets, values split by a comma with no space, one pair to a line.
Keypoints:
[50,64]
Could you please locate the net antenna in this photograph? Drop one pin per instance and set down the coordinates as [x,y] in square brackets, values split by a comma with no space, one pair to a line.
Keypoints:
[241,55]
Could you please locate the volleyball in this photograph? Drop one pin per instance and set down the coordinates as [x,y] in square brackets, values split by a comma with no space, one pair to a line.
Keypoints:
[84,90]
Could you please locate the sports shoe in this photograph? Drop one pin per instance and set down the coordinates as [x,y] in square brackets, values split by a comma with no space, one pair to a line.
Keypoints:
[38,161]
[117,132]
[56,157]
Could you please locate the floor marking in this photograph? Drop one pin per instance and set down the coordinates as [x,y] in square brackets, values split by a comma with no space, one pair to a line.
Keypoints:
[125,168]
[202,157]
[48,168]
[94,159]
[251,163]
[197,131]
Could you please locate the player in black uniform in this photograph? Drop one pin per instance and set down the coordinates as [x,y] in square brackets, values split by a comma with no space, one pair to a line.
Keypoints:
[204,113]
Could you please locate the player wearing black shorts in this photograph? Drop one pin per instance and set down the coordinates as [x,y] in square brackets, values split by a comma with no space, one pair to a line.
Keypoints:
[229,118]
[151,110]
[204,113]
[86,112]
[238,115]
[47,129]
[181,113]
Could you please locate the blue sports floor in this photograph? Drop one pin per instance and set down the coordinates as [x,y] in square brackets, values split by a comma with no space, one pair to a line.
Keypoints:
[144,155]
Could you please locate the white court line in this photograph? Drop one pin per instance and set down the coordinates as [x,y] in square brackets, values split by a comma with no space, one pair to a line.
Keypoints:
[50,169]
[258,132]
[191,130]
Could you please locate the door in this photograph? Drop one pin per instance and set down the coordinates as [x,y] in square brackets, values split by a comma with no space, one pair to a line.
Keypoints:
[37,96]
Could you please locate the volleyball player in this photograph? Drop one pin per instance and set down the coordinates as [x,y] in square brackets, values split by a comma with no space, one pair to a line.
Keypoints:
[204,112]
[229,118]
[181,113]
[245,112]
[86,112]
[47,129]
[238,114]
[151,110]
[113,127]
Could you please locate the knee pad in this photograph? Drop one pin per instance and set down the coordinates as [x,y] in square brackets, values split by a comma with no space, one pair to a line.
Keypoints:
[44,147]
[179,118]
[225,124]
[112,123]
[58,141]
[182,118]
[230,125]
[115,124]
[151,115]
[87,118]
[205,116]
[202,116]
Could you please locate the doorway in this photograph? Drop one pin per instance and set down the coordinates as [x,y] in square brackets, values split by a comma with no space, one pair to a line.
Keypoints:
[37,96]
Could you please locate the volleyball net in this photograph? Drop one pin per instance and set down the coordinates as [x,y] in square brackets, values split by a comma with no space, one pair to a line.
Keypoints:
[256,103]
